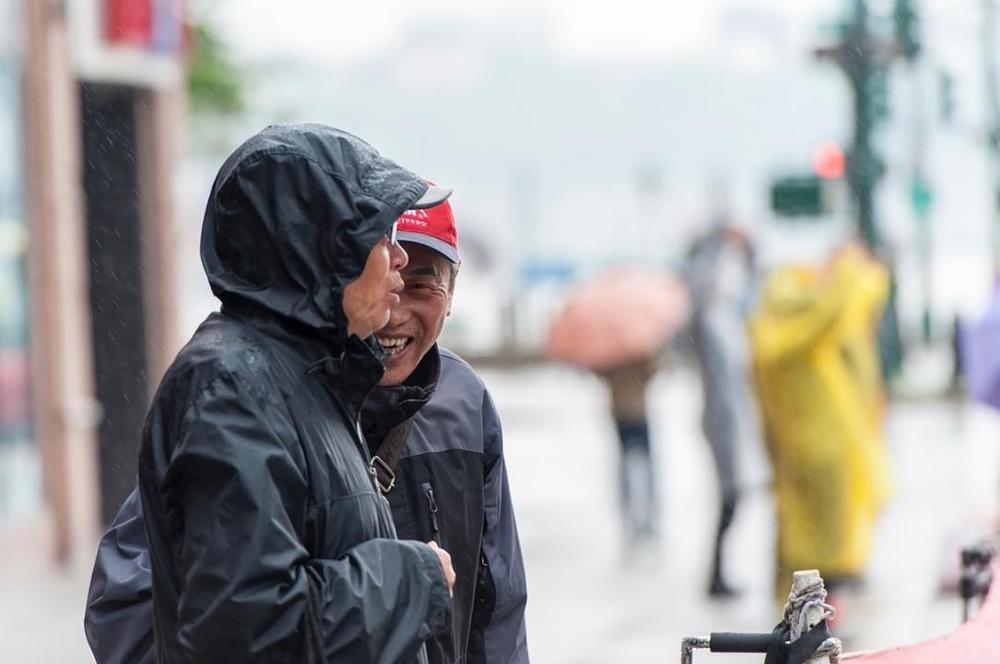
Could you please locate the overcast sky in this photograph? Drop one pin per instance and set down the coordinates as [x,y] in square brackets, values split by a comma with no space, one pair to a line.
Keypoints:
[625,29]
[697,87]
[620,30]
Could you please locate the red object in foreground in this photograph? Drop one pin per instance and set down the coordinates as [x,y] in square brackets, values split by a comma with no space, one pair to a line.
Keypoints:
[623,315]
[975,641]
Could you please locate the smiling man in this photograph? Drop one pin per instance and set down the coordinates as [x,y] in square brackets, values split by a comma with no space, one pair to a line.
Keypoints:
[431,241]
[436,446]
[437,451]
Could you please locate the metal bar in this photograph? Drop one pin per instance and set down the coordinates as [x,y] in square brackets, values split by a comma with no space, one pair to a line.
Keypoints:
[688,645]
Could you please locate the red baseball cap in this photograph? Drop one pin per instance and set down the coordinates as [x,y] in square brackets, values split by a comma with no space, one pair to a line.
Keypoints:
[432,227]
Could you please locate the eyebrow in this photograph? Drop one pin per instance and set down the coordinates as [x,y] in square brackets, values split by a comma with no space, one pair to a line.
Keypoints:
[421,271]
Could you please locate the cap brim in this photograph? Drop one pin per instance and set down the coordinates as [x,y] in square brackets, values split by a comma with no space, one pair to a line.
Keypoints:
[433,196]
[430,242]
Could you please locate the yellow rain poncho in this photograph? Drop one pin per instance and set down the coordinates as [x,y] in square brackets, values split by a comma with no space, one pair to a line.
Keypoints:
[818,383]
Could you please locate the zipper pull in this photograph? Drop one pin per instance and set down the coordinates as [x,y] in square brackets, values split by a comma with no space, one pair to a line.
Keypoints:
[432,506]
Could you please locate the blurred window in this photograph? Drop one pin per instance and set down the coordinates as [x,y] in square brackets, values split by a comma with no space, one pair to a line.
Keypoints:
[20,489]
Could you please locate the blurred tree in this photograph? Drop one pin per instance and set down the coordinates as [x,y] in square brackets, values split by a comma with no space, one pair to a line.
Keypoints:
[215,84]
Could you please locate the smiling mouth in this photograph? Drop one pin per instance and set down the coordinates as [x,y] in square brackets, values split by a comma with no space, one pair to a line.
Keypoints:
[394,345]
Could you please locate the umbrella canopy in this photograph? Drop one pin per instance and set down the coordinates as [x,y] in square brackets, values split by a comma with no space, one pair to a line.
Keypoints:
[974,641]
[620,316]
[980,351]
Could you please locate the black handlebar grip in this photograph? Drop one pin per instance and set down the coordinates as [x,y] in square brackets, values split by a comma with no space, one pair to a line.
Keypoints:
[739,642]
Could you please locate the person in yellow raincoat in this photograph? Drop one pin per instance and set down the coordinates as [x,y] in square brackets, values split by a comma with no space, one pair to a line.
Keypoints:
[817,378]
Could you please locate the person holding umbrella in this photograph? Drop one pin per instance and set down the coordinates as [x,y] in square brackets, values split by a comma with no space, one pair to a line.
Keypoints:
[615,325]
[977,343]
[628,384]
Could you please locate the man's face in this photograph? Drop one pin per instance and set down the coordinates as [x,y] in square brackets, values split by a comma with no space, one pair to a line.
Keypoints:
[368,298]
[415,323]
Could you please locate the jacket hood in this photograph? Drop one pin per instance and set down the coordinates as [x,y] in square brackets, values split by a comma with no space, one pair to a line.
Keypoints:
[291,219]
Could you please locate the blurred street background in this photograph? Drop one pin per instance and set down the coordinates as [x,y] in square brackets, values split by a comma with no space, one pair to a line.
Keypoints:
[577,136]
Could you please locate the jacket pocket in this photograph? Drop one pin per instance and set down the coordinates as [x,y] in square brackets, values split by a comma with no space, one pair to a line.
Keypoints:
[486,594]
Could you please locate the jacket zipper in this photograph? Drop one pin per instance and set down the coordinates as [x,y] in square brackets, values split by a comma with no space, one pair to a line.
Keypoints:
[432,507]
[363,448]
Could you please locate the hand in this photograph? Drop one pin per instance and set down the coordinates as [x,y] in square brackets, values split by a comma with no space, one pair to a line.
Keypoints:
[445,559]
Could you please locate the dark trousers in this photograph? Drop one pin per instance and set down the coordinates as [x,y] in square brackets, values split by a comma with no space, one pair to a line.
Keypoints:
[637,482]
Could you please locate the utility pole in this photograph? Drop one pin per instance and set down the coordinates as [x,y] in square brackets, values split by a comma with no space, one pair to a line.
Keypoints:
[993,122]
[864,167]
[864,60]
[906,23]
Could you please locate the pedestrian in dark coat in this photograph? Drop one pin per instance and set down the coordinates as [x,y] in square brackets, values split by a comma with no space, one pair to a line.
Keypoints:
[448,483]
[269,540]
[720,271]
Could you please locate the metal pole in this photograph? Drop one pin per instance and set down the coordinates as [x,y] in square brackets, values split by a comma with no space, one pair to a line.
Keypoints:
[863,166]
[993,123]
[688,646]
[920,199]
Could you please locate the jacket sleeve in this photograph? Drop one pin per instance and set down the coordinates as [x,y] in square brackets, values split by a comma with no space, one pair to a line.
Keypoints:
[249,589]
[119,616]
[498,627]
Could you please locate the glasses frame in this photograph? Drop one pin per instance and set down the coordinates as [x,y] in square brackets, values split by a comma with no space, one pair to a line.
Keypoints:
[392,234]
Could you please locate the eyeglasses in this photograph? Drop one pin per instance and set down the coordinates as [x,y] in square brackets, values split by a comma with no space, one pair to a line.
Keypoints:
[390,234]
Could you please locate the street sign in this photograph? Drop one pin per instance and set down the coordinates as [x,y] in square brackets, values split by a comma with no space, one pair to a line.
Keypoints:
[798,196]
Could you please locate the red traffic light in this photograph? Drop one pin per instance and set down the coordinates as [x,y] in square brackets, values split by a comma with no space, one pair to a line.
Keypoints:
[829,161]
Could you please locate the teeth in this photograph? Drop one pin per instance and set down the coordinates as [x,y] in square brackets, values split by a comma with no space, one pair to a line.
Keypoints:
[393,345]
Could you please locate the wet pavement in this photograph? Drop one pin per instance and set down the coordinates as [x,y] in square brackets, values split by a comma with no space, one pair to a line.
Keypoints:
[589,602]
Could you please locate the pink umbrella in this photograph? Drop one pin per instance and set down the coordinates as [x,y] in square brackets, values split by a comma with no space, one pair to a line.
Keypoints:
[974,641]
[623,315]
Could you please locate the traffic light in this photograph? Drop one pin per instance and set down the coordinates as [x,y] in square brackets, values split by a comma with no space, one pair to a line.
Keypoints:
[829,161]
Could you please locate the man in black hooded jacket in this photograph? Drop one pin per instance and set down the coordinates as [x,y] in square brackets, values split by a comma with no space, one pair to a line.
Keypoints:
[269,540]
[434,425]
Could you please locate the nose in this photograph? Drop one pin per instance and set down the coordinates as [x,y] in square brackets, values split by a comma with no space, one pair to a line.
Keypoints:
[398,258]
[399,313]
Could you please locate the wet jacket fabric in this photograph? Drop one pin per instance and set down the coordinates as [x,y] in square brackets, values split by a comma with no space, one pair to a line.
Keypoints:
[268,539]
[815,369]
[451,486]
